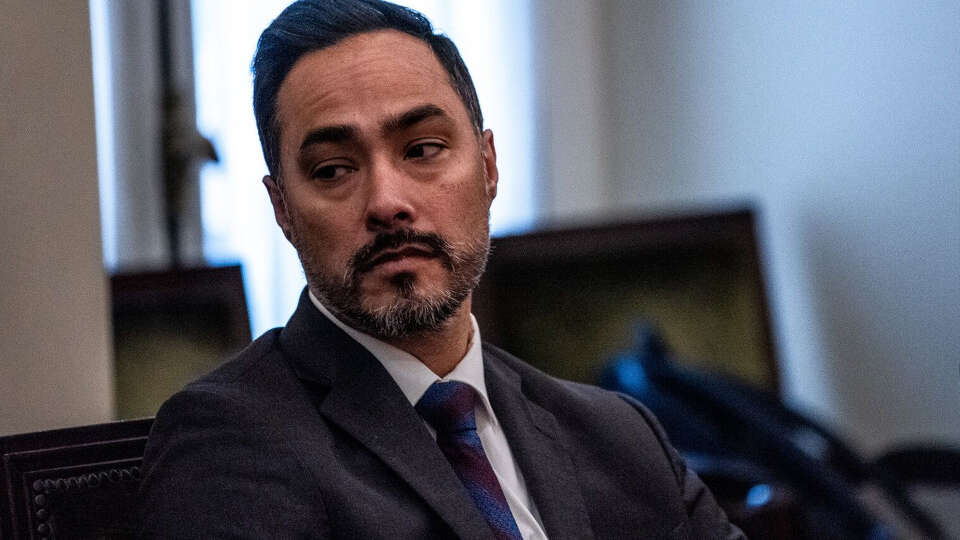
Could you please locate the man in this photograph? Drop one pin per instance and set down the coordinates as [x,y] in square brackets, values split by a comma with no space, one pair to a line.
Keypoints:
[377,412]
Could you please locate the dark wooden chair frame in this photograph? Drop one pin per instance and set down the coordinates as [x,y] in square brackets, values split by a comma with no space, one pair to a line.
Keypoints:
[72,483]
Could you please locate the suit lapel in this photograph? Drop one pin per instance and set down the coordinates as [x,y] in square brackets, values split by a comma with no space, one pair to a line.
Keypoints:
[534,437]
[364,401]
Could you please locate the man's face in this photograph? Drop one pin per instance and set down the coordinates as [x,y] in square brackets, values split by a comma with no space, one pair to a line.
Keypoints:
[385,186]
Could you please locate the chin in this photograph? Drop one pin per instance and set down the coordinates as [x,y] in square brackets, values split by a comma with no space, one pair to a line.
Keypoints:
[404,288]
[408,307]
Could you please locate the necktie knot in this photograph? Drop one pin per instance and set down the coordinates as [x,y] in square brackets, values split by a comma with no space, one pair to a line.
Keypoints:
[449,407]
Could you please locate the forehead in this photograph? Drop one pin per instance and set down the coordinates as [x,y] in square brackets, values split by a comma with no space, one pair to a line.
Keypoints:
[361,80]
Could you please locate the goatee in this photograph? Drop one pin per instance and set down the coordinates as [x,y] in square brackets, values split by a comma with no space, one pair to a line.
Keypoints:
[411,311]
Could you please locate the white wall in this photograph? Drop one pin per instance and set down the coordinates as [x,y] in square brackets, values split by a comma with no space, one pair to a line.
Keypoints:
[54,352]
[571,117]
[841,121]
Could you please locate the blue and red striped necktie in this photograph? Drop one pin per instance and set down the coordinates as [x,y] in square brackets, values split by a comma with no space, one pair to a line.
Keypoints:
[449,408]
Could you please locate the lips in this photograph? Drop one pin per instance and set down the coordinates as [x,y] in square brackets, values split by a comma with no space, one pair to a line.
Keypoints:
[400,244]
[397,254]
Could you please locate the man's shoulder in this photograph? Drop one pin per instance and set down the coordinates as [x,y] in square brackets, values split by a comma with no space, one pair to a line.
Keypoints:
[231,425]
[607,431]
[249,365]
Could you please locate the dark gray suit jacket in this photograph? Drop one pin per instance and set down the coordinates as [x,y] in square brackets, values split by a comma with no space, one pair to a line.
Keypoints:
[305,435]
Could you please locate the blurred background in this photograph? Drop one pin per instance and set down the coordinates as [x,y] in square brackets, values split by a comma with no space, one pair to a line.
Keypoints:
[834,126]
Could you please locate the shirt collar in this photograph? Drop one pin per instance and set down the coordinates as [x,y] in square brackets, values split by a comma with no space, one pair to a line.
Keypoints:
[410,374]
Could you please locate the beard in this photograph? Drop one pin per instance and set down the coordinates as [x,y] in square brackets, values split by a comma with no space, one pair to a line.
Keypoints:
[411,311]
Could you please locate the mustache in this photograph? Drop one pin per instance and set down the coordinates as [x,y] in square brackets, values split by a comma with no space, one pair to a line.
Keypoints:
[365,258]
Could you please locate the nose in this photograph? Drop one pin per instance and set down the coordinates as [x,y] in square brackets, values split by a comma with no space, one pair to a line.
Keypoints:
[389,204]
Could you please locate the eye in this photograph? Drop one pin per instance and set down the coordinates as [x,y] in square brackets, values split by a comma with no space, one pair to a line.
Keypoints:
[424,150]
[329,173]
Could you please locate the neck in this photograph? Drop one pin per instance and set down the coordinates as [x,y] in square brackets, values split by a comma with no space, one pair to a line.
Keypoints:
[443,349]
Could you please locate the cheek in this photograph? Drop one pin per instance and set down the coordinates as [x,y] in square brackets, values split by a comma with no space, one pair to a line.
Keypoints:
[469,196]
[328,216]
[463,208]
[324,236]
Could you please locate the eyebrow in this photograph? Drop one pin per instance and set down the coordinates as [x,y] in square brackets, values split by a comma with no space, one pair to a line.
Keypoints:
[412,117]
[342,133]
[328,134]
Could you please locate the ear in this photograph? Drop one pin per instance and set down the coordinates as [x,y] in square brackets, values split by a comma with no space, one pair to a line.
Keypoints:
[279,204]
[488,154]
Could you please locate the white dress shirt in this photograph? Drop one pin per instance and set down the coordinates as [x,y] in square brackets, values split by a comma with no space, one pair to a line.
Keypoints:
[414,378]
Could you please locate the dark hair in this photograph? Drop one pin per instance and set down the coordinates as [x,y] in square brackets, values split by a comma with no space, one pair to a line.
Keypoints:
[310,25]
